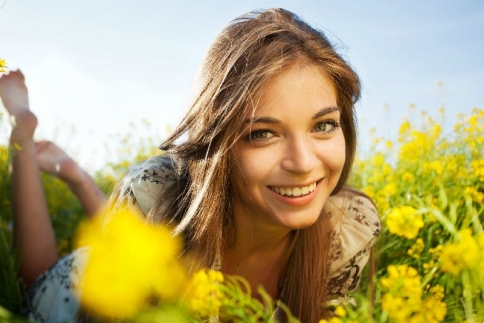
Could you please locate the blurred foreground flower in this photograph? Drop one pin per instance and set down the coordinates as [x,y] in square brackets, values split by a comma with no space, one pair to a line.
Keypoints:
[131,264]
[462,255]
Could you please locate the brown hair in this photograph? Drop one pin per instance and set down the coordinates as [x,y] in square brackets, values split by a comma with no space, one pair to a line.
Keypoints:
[248,53]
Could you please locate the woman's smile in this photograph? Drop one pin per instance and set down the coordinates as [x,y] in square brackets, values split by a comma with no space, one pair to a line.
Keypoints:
[296,196]
[294,191]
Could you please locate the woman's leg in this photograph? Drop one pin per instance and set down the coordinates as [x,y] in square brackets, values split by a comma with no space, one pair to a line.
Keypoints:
[33,234]
[55,161]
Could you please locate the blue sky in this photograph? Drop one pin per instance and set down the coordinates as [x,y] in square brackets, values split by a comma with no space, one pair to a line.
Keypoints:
[94,66]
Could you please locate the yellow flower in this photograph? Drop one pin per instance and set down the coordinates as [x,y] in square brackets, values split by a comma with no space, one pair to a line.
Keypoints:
[413,149]
[433,310]
[462,255]
[332,320]
[474,194]
[404,129]
[437,292]
[404,221]
[478,169]
[3,64]
[129,262]
[370,191]
[403,299]
[473,121]
[204,295]
[416,249]
[435,131]
[378,159]
[398,309]
[429,265]
[435,166]
[340,311]
[408,177]
[402,281]
[389,189]
[437,251]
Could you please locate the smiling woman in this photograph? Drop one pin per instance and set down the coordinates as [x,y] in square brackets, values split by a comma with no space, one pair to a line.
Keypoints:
[254,176]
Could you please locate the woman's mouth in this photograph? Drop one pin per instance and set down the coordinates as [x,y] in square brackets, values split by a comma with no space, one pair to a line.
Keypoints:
[294,191]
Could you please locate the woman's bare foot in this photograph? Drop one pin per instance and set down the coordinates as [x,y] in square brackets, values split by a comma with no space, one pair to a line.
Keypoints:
[55,161]
[14,95]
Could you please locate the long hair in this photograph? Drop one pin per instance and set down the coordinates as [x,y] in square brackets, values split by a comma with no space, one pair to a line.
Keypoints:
[247,54]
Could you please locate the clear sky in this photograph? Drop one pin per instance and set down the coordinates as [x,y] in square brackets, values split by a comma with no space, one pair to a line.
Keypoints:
[94,66]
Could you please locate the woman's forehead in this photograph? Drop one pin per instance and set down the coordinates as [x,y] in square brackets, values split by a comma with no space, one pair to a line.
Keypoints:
[304,86]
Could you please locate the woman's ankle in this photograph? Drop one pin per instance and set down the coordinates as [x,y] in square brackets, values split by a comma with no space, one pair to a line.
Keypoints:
[23,128]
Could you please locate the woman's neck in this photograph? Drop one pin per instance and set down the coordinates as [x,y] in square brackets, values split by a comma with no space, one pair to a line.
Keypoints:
[258,253]
[248,236]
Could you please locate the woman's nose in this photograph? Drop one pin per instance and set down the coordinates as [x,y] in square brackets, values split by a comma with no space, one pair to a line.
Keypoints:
[300,156]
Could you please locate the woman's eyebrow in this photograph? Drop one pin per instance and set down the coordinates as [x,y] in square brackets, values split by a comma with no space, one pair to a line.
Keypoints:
[325,111]
[268,120]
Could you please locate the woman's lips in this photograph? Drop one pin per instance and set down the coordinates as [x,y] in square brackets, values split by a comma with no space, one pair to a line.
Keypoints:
[296,196]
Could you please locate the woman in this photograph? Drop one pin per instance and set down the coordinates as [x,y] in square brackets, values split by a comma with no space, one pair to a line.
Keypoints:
[254,175]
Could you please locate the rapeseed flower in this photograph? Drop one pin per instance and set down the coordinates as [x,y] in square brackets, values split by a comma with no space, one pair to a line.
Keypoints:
[416,249]
[332,320]
[474,194]
[404,301]
[399,309]
[478,169]
[408,177]
[431,311]
[3,65]
[205,296]
[130,263]
[435,166]
[404,221]
[437,292]
[389,189]
[462,255]
[339,316]
[403,280]
[404,130]
[419,144]
[403,297]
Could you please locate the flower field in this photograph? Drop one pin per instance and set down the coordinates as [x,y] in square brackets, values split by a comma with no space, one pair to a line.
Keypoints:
[428,185]
[429,189]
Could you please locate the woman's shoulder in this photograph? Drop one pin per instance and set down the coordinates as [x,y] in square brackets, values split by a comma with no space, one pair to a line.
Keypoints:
[356,226]
[146,182]
[351,204]
[355,222]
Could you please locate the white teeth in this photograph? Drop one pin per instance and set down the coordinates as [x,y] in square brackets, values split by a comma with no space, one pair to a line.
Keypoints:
[296,191]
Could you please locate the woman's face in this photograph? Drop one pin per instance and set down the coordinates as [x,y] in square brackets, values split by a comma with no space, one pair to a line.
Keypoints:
[292,151]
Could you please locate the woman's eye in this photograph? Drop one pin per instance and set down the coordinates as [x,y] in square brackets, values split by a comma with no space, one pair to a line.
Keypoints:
[327,126]
[259,135]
